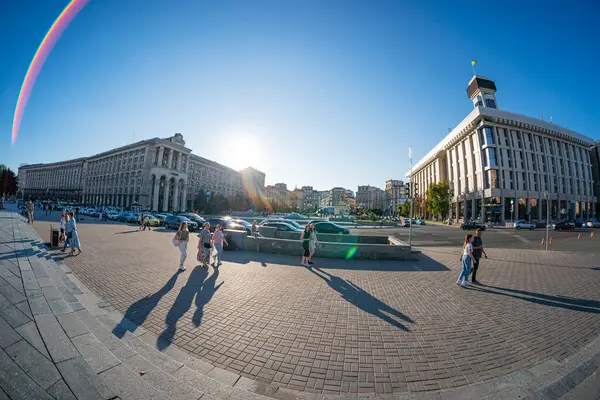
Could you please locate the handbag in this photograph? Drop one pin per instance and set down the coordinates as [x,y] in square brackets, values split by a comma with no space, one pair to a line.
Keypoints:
[176,242]
[207,245]
[69,235]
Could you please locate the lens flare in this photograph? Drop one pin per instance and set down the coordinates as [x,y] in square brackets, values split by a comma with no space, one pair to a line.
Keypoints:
[56,30]
[351,252]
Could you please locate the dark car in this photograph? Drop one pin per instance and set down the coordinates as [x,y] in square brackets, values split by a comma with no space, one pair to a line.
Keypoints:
[194,217]
[579,223]
[173,222]
[282,226]
[330,227]
[227,223]
[563,226]
[473,225]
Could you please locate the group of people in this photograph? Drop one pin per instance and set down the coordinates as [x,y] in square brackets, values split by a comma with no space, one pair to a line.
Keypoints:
[471,255]
[309,244]
[206,244]
[144,222]
[68,232]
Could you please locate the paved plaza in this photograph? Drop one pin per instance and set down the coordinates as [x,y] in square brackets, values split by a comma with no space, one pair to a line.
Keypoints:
[347,326]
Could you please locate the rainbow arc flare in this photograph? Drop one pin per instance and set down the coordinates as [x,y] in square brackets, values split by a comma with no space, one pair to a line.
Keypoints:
[42,53]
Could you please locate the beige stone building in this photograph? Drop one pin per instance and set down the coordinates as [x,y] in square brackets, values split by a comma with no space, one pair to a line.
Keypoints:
[371,198]
[160,174]
[500,165]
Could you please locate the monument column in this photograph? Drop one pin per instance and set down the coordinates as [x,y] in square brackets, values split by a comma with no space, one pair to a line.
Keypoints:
[473,209]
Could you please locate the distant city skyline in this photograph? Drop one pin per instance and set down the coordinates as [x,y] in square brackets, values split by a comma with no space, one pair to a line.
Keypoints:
[311,93]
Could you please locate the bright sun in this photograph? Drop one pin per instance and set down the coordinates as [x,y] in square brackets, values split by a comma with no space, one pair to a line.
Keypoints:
[242,151]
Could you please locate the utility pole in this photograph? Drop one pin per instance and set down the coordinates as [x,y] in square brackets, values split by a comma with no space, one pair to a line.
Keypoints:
[547,196]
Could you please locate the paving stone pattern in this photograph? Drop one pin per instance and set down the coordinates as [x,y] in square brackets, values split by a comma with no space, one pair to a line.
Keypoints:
[260,324]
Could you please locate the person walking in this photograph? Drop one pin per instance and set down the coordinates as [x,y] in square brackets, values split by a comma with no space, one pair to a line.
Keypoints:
[463,278]
[74,242]
[63,222]
[312,243]
[217,240]
[181,239]
[30,212]
[141,222]
[254,228]
[305,237]
[478,251]
[204,245]
[147,221]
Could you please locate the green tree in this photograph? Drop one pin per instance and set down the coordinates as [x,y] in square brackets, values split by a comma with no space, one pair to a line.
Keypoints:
[200,201]
[8,181]
[405,210]
[438,199]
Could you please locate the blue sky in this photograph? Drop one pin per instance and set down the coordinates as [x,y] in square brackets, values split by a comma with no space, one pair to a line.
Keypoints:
[322,93]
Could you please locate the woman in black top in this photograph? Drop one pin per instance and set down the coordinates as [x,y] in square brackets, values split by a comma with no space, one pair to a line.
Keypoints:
[305,237]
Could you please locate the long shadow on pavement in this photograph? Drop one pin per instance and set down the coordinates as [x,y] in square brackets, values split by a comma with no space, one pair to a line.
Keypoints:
[537,298]
[362,299]
[138,312]
[561,299]
[423,263]
[197,286]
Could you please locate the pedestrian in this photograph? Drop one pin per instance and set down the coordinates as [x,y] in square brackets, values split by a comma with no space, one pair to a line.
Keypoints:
[63,222]
[204,245]
[142,222]
[181,239]
[313,243]
[30,212]
[217,240]
[74,243]
[477,252]
[254,228]
[463,278]
[146,221]
[46,210]
[77,214]
[305,237]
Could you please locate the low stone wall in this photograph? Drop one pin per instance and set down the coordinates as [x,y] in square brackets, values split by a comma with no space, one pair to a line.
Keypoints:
[334,238]
[363,251]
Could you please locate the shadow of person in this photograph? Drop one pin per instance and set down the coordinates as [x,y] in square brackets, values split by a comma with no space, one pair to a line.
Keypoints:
[362,299]
[204,295]
[182,304]
[138,312]
[561,299]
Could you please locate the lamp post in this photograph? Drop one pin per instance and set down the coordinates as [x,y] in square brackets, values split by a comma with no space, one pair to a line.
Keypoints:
[547,196]
[411,199]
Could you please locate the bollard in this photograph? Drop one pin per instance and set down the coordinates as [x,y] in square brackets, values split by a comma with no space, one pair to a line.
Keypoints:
[578,236]
[550,241]
[592,234]
[542,242]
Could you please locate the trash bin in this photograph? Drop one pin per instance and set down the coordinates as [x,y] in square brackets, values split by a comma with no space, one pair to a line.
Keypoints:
[54,238]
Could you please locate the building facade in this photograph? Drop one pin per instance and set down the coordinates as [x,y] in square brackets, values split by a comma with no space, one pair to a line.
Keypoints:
[159,174]
[504,166]
[396,195]
[371,198]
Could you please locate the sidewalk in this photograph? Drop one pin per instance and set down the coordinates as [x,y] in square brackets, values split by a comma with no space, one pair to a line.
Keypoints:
[58,340]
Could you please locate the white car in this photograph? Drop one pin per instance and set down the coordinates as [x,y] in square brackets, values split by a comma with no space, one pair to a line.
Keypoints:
[593,224]
[524,225]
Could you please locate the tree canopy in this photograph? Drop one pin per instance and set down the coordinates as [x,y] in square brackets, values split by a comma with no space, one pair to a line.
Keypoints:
[8,181]
[437,199]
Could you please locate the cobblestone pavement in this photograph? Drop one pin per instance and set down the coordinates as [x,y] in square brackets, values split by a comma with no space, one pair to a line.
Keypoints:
[348,326]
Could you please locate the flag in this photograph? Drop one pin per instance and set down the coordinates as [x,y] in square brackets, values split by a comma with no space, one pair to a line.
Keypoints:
[473,62]
[410,154]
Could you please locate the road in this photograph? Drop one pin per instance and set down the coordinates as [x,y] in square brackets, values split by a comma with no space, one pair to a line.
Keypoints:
[449,236]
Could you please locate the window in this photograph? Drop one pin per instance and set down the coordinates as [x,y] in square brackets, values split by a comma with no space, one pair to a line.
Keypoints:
[489,137]
[492,157]
[494,180]
[490,103]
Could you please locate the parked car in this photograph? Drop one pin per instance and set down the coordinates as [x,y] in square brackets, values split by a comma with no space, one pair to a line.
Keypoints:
[473,225]
[133,218]
[173,222]
[420,222]
[152,220]
[160,218]
[593,224]
[282,226]
[227,223]
[405,223]
[563,226]
[522,224]
[287,221]
[579,223]
[124,216]
[330,227]
[194,217]
[294,216]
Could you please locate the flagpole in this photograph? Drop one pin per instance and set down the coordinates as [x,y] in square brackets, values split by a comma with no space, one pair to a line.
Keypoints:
[412,190]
